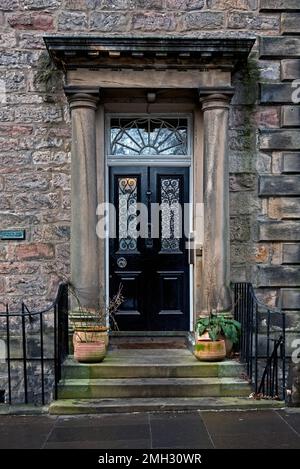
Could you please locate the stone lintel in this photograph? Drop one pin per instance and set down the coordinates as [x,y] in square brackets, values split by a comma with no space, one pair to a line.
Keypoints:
[164,78]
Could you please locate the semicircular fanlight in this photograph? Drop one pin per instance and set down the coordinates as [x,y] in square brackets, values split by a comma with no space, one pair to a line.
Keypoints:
[148,137]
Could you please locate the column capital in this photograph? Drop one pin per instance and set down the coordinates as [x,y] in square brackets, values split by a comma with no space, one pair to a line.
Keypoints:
[215,100]
[82,97]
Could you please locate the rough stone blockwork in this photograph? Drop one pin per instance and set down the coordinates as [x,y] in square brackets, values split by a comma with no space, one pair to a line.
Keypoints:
[35,132]
[279,187]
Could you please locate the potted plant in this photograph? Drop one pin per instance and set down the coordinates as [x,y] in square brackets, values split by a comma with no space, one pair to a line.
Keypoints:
[230,331]
[213,332]
[90,336]
[217,330]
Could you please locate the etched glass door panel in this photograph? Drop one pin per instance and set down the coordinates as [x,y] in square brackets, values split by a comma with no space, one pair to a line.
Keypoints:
[171,226]
[127,209]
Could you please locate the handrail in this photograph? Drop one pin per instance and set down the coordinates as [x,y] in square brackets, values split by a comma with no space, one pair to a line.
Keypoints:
[258,331]
[46,310]
[263,305]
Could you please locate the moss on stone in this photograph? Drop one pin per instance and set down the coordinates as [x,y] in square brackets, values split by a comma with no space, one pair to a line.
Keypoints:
[48,76]
[250,80]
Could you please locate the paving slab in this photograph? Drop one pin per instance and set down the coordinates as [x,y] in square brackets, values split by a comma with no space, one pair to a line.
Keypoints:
[247,422]
[292,418]
[179,431]
[249,430]
[24,432]
[100,433]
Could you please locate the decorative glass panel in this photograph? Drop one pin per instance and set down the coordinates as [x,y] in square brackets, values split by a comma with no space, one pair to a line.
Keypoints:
[170,214]
[127,213]
[146,136]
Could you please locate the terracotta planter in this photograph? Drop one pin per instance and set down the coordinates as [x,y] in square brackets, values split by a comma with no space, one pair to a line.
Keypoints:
[89,352]
[210,350]
[91,334]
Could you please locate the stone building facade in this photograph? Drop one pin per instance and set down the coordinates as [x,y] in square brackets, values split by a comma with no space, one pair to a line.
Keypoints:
[264,138]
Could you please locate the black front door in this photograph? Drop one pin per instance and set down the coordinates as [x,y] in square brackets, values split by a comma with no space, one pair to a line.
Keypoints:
[148,252]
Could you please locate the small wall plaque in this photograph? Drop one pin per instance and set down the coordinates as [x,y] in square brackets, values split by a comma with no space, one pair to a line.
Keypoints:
[12,234]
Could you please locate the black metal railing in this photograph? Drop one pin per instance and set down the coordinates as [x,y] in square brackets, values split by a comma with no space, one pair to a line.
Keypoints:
[36,344]
[262,343]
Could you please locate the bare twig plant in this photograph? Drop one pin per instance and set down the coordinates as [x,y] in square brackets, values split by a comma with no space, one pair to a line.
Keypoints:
[89,321]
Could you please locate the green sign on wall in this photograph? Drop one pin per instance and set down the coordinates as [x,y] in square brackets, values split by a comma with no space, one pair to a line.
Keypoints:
[12,234]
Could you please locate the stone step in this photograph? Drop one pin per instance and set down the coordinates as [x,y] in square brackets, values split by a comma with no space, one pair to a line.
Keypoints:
[127,405]
[146,340]
[152,387]
[122,366]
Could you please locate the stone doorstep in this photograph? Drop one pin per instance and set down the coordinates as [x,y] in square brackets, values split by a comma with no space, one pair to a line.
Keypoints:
[124,367]
[130,405]
[152,388]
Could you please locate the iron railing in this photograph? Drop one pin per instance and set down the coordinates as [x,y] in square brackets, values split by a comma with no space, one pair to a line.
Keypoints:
[35,345]
[262,343]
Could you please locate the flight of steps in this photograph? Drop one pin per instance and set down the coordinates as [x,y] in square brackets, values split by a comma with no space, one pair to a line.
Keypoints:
[132,380]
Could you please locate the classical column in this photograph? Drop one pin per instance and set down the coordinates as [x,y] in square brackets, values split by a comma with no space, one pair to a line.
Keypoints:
[84,241]
[216,260]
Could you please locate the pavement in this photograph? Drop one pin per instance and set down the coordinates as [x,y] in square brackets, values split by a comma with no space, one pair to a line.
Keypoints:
[267,429]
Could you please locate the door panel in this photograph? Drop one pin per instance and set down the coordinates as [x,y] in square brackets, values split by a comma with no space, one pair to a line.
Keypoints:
[171,293]
[127,250]
[152,269]
[170,188]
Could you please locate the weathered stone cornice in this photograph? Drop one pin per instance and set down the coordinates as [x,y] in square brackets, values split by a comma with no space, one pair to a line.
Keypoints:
[71,52]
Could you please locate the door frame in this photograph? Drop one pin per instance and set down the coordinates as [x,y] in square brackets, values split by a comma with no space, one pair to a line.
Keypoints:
[183,162]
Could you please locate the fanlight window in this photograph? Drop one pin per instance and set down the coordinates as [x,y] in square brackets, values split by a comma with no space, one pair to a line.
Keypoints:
[148,137]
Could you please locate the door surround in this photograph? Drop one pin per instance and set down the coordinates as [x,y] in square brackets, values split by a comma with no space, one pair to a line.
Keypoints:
[201,66]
